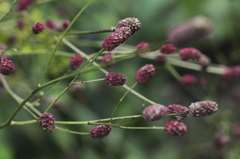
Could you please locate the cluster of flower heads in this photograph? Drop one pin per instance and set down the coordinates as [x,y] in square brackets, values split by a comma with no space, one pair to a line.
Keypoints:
[178,112]
[122,32]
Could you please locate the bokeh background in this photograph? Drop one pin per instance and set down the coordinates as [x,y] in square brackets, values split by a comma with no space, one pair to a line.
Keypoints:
[92,101]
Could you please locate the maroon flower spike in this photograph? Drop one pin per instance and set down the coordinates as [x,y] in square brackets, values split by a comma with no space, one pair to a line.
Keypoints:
[133,23]
[107,58]
[188,80]
[145,74]
[175,128]
[37,28]
[75,62]
[24,4]
[142,47]
[155,112]
[100,131]
[50,24]
[203,108]
[190,53]
[221,140]
[47,121]
[116,38]
[115,79]
[65,24]
[167,49]
[172,109]
[6,67]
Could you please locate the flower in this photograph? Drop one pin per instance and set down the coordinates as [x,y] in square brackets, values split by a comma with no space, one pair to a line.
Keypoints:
[167,49]
[155,112]
[188,80]
[175,128]
[75,62]
[37,28]
[24,4]
[100,131]
[190,53]
[6,67]
[203,108]
[47,121]
[133,23]
[144,74]
[107,58]
[50,24]
[65,24]
[115,79]
[142,47]
[172,109]
[116,38]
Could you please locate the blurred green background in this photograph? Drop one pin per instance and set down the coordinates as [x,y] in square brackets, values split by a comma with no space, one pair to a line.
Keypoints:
[97,100]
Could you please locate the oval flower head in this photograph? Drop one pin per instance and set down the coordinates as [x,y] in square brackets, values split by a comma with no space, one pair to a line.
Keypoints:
[145,74]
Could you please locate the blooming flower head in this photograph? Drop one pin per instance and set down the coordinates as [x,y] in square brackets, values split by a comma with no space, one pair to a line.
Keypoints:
[47,121]
[144,74]
[188,80]
[75,62]
[155,112]
[142,47]
[115,79]
[133,23]
[100,131]
[203,108]
[37,28]
[6,67]
[190,53]
[167,49]
[175,128]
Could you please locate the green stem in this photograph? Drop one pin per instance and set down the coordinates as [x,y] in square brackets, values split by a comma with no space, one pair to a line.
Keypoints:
[173,72]
[89,32]
[72,132]
[60,40]
[4,16]
[23,122]
[101,79]
[140,128]
[96,121]
[121,99]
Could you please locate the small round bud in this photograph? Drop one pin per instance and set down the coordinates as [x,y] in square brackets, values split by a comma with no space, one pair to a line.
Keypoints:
[107,58]
[175,128]
[155,112]
[190,53]
[75,62]
[144,74]
[116,38]
[172,109]
[203,108]
[65,24]
[47,121]
[188,80]
[142,47]
[115,79]
[6,67]
[167,49]
[37,28]
[100,131]
[133,23]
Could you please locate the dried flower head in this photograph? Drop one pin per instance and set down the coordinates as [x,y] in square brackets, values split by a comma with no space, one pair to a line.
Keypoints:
[100,131]
[188,80]
[116,38]
[115,79]
[172,109]
[47,121]
[190,53]
[76,61]
[155,112]
[167,49]
[133,23]
[6,67]
[189,31]
[175,128]
[37,28]
[203,108]
[145,74]
[142,47]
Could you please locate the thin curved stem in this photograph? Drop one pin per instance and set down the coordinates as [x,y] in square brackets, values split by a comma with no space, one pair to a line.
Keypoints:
[8,11]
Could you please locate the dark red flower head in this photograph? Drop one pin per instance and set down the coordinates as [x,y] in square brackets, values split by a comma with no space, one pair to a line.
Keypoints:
[47,121]
[100,131]
[65,24]
[24,4]
[145,74]
[115,79]
[175,128]
[188,80]
[172,109]
[142,47]
[167,49]
[190,53]
[107,58]
[75,62]
[6,67]
[37,28]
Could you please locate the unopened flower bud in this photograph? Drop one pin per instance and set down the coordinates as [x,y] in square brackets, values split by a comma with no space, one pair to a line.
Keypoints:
[47,121]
